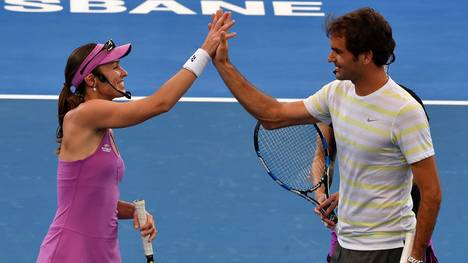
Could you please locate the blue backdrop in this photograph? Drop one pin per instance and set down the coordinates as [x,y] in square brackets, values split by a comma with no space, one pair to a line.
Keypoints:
[283,55]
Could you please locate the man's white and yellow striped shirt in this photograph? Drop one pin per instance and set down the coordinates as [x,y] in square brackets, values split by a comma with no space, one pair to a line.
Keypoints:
[378,136]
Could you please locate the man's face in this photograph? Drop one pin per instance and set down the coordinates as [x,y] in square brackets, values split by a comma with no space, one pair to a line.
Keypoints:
[347,66]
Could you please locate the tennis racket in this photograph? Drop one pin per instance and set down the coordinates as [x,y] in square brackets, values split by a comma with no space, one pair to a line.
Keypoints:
[147,246]
[292,156]
[409,240]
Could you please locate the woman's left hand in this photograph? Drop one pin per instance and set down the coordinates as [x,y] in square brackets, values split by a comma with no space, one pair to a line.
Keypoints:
[149,229]
[220,24]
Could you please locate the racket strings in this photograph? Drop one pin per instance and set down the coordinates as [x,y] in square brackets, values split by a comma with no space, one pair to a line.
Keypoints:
[292,154]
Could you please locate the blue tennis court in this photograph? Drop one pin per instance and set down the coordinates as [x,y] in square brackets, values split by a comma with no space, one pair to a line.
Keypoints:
[195,165]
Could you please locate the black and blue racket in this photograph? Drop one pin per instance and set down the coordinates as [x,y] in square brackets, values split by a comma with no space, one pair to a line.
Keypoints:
[293,156]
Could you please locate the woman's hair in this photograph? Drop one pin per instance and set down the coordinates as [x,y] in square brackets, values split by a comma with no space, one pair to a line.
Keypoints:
[364,30]
[69,100]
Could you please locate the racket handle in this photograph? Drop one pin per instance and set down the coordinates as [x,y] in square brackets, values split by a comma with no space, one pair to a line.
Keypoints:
[141,214]
[409,240]
[332,216]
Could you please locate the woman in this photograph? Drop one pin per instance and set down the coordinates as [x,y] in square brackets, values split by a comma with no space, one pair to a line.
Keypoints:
[90,167]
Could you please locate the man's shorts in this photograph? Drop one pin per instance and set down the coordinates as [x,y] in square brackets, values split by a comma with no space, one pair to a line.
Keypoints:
[343,255]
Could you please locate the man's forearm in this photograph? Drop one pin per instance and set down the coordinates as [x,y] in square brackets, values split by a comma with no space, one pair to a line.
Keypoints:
[427,180]
[426,220]
[255,102]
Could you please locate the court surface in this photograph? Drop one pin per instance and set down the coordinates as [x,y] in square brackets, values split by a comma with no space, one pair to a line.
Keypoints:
[196,166]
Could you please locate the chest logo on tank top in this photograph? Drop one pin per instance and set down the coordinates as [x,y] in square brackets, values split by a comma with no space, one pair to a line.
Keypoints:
[106,148]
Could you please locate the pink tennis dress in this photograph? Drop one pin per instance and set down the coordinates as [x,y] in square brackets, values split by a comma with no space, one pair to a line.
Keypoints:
[85,225]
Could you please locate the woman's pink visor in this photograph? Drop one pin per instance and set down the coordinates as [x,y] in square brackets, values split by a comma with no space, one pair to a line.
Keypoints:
[99,56]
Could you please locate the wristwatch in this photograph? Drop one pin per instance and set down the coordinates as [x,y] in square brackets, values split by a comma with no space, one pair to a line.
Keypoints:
[413,260]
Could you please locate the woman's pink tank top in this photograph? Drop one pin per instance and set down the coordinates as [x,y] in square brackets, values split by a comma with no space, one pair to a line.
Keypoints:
[85,225]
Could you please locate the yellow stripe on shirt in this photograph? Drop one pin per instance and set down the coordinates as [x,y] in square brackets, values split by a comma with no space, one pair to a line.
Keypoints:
[366,105]
[363,125]
[374,187]
[373,224]
[362,166]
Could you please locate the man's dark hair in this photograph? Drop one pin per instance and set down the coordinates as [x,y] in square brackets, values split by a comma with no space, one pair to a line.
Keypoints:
[364,30]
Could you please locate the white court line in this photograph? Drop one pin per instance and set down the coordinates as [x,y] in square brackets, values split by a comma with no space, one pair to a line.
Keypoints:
[211,99]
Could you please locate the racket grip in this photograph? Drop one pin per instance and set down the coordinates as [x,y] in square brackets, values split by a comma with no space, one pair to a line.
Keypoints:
[409,240]
[141,214]
[332,216]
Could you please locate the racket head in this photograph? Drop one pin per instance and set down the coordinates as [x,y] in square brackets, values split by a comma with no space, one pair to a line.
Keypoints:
[287,154]
[292,156]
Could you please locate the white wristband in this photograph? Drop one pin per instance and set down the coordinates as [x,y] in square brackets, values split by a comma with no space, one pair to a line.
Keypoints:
[197,62]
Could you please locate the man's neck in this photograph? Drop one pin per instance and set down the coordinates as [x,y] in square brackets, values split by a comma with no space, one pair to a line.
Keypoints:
[371,81]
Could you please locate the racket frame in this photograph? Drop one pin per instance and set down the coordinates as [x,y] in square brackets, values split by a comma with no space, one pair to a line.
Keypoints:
[324,180]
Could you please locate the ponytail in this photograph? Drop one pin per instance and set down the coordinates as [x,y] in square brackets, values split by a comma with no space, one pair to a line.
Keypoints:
[69,100]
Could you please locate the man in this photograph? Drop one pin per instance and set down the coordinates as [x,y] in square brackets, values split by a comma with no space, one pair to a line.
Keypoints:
[382,137]
[327,131]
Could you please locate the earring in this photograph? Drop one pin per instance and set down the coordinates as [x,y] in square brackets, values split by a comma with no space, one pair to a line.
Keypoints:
[94,89]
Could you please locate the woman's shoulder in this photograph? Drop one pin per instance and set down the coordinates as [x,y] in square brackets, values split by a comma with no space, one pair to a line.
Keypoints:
[94,103]
[78,115]
[89,107]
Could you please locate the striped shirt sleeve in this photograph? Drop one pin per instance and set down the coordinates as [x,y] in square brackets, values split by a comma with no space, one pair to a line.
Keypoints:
[318,104]
[412,134]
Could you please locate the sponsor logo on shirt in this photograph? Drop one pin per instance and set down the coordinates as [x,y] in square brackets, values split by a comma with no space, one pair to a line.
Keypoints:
[106,148]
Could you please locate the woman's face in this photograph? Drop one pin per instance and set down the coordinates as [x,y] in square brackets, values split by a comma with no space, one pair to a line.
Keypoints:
[115,74]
